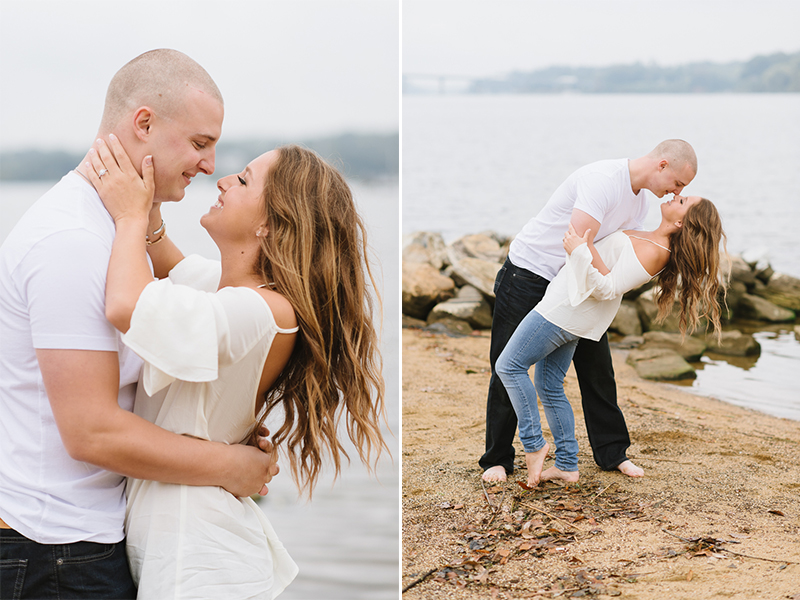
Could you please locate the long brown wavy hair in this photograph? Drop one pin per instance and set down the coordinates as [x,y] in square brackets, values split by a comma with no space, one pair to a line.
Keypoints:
[316,255]
[692,272]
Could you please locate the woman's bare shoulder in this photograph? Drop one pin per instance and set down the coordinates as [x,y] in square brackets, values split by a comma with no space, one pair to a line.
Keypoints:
[653,258]
[282,309]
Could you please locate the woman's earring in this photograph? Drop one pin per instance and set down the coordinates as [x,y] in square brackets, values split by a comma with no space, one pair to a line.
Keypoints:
[258,233]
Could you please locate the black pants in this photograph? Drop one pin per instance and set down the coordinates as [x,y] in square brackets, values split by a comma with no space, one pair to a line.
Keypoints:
[78,570]
[517,292]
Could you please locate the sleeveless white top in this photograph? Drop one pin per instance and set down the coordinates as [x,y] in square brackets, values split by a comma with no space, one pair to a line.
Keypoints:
[204,352]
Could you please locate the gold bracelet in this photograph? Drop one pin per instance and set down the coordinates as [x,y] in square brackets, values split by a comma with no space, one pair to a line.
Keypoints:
[160,232]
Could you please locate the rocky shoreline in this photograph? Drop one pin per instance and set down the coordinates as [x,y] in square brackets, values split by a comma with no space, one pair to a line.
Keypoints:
[448,288]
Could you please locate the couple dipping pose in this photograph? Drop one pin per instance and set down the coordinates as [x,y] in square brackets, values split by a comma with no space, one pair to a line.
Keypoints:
[111,368]
[558,292]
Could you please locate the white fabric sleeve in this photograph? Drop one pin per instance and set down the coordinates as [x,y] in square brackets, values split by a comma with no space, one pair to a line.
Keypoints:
[197,272]
[583,280]
[187,334]
[595,195]
[64,285]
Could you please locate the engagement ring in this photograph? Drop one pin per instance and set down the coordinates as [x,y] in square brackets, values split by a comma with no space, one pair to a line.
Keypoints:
[102,172]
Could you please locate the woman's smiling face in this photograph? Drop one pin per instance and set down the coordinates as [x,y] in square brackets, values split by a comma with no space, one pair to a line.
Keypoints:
[674,210]
[239,210]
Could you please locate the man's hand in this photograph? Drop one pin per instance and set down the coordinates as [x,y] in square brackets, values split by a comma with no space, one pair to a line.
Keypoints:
[260,438]
[251,470]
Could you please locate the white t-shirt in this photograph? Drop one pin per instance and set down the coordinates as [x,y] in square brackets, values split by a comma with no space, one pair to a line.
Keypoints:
[603,191]
[584,302]
[52,296]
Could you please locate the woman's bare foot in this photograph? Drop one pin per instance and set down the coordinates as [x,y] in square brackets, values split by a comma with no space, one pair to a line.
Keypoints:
[556,473]
[495,473]
[630,469]
[535,462]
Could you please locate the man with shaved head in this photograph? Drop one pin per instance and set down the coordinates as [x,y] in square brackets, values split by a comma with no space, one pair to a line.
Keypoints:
[68,437]
[604,197]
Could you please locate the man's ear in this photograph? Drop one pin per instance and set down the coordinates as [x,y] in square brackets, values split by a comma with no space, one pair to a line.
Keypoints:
[663,164]
[143,122]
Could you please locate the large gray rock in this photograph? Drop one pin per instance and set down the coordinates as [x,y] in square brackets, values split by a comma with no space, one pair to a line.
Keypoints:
[782,290]
[629,342]
[733,343]
[425,247]
[412,323]
[764,274]
[476,272]
[739,270]
[758,309]
[734,294]
[450,327]
[660,364]
[627,320]
[474,246]
[503,240]
[469,305]
[688,347]
[648,311]
[757,257]
[423,288]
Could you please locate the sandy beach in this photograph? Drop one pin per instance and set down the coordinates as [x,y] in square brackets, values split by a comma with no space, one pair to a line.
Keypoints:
[717,514]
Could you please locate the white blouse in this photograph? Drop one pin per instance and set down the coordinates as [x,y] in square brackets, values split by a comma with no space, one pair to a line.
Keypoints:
[584,302]
[204,352]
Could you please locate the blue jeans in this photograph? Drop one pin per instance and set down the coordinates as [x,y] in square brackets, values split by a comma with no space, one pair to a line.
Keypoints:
[78,570]
[550,348]
[517,291]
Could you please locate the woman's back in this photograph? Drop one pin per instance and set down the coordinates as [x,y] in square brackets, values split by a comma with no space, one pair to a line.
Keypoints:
[207,353]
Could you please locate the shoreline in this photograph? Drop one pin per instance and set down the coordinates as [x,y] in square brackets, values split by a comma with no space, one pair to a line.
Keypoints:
[749,375]
[713,471]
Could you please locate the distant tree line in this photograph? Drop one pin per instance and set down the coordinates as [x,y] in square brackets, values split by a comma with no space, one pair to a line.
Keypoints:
[358,156]
[775,73]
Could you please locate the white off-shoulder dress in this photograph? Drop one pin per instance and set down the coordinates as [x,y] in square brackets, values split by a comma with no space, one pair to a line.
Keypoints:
[204,351]
[584,302]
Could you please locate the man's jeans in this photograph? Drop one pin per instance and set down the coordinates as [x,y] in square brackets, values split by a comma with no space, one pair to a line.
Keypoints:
[80,570]
[540,342]
[517,291]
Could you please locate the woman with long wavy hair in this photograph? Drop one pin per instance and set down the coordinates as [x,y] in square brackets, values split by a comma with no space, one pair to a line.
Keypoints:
[582,300]
[282,323]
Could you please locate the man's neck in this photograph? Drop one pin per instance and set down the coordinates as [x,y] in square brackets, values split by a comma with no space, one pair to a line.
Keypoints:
[637,169]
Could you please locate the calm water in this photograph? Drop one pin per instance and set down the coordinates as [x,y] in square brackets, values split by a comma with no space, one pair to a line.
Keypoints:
[346,541]
[474,163]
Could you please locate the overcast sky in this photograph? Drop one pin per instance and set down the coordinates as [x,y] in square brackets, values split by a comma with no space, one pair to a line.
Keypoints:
[468,37]
[285,68]
[305,67]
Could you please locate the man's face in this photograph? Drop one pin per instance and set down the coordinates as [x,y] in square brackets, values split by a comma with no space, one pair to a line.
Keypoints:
[185,145]
[669,180]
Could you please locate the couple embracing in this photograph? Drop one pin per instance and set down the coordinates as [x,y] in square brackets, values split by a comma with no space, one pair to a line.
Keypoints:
[558,292]
[121,358]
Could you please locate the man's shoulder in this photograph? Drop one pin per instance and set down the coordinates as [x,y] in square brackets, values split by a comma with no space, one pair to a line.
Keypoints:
[610,167]
[68,205]
[64,219]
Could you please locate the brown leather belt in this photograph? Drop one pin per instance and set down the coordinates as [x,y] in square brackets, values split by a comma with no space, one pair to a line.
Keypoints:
[4,525]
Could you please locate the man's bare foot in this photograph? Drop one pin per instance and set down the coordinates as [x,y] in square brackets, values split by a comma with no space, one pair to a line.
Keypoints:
[630,469]
[495,473]
[535,462]
[556,473]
